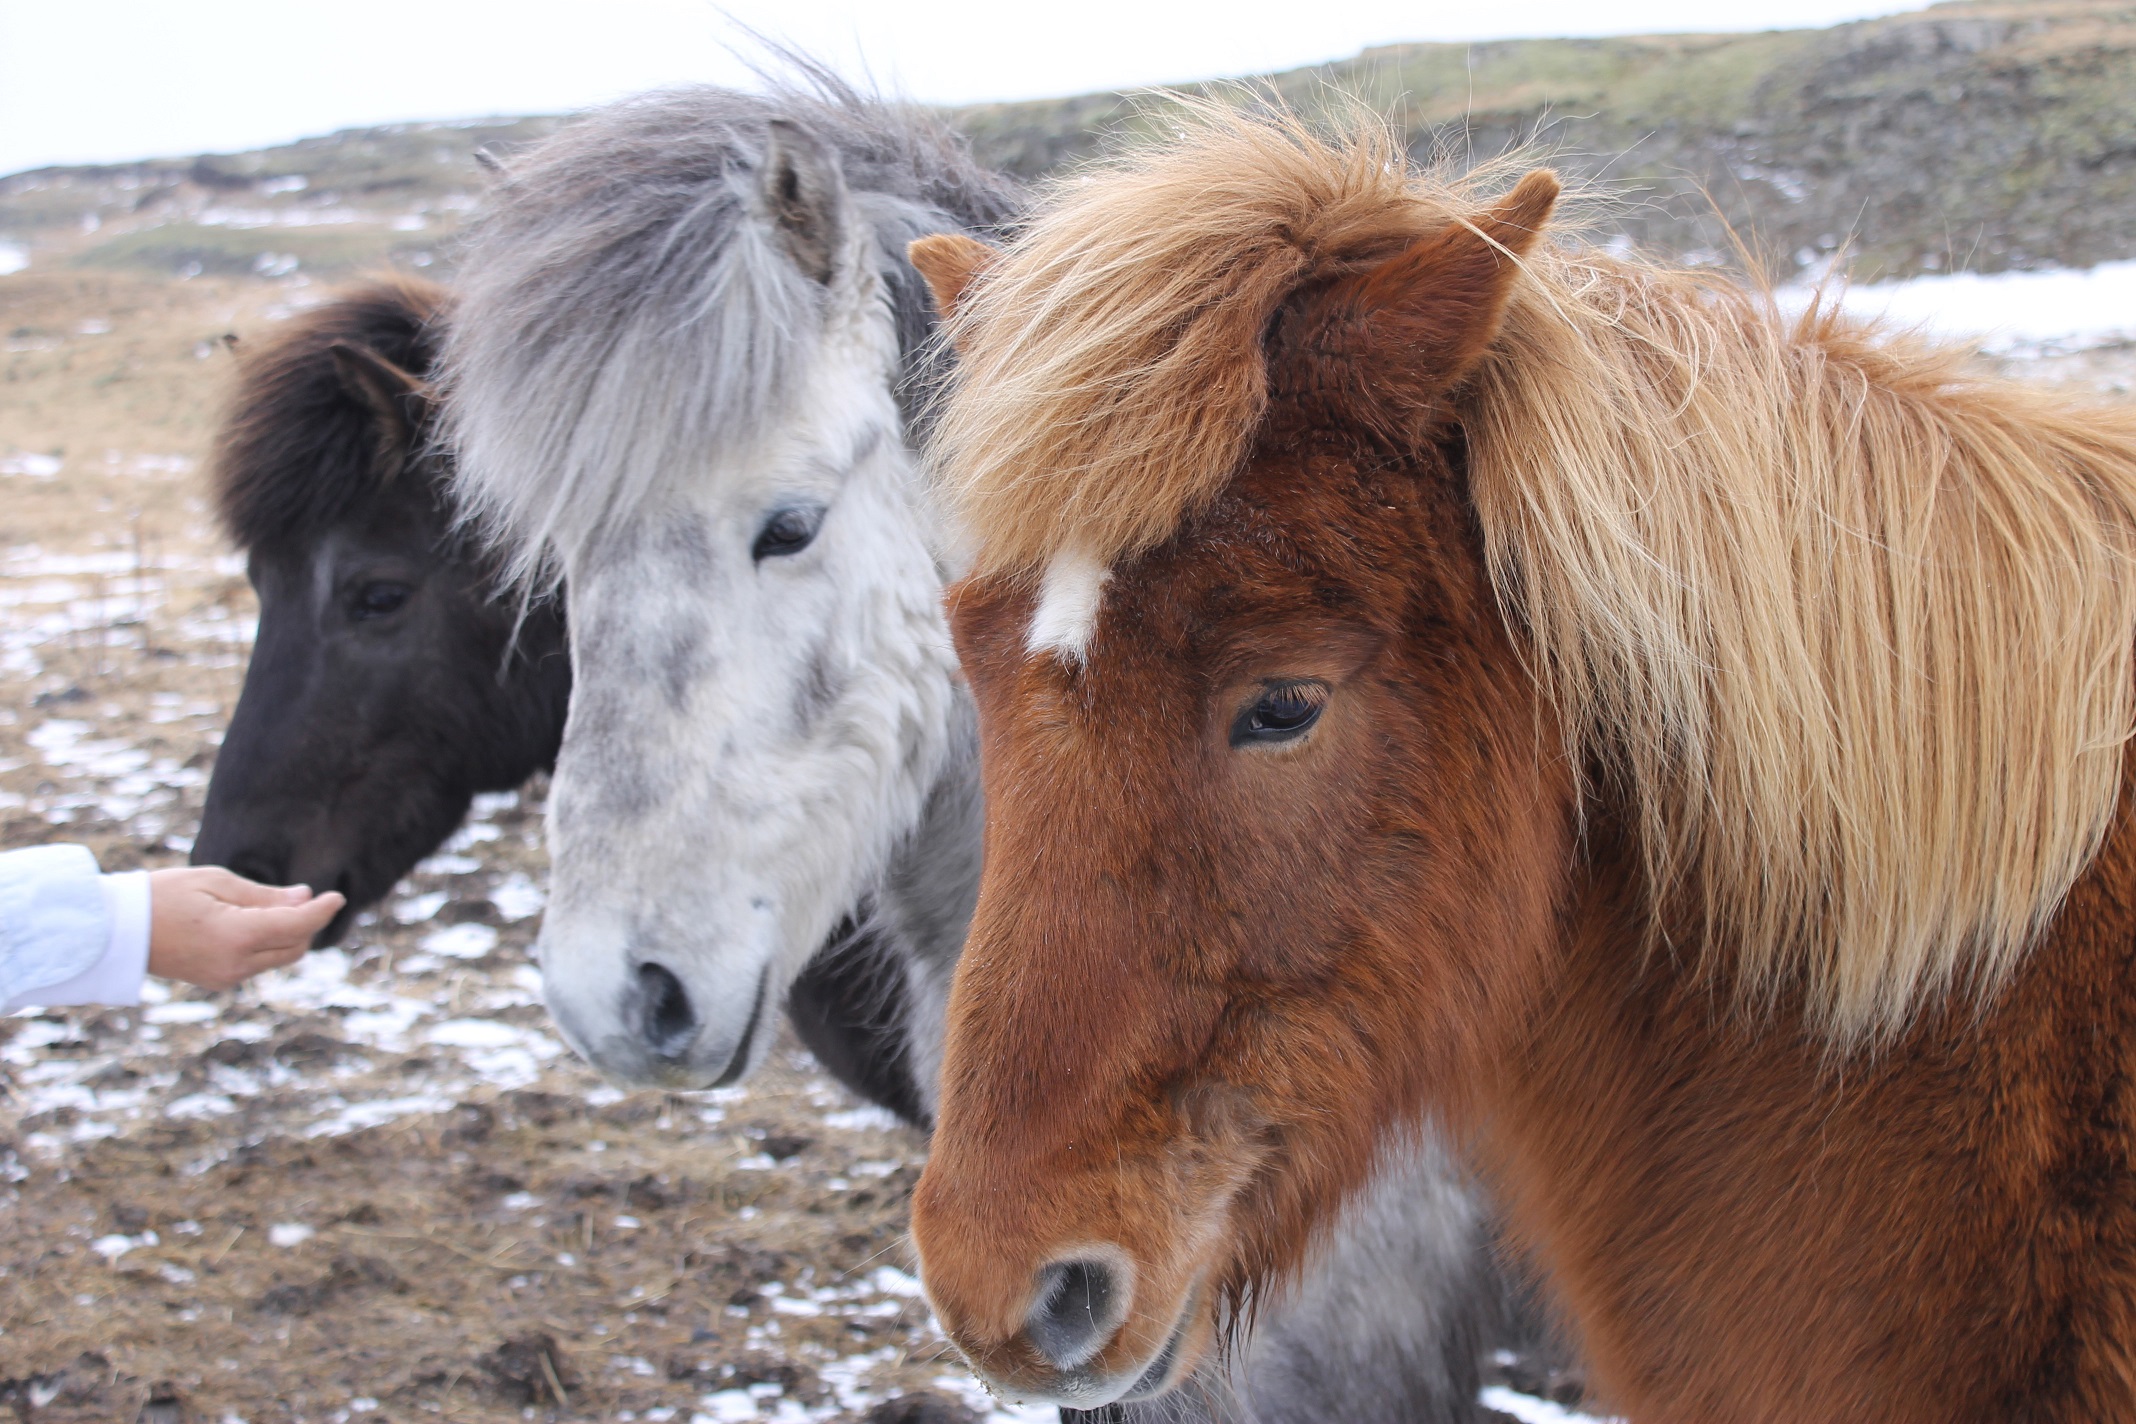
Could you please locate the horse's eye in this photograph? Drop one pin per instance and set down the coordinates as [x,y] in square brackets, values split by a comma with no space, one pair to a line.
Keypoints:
[377,599]
[787,532]
[1283,712]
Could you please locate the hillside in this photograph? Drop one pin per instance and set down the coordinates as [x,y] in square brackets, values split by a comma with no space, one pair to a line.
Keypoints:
[358,198]
[1983,134]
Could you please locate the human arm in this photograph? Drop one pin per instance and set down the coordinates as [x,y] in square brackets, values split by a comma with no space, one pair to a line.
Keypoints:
[71,936]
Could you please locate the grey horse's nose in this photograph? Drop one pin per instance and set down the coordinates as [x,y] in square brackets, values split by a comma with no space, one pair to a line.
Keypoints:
[664,1013]
[1079,1308]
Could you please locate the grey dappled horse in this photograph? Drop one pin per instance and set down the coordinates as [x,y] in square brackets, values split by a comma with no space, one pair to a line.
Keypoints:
[685,380]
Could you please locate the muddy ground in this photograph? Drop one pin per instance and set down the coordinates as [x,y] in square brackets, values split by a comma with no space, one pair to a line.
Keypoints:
[376,1185]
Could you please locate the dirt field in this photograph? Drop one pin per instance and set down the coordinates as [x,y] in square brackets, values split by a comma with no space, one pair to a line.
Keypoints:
[375,1186]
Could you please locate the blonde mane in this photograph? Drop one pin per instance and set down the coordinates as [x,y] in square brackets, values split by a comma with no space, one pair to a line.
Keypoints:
[1852,628]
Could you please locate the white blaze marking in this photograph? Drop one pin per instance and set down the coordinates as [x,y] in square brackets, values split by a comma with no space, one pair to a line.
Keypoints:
[1068,599]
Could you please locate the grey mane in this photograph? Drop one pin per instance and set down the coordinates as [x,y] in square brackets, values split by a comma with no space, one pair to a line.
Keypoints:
[624,306]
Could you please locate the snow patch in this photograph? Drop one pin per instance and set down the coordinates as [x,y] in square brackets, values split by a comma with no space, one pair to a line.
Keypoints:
[517,897]
[186,1011]
[468,941]
[36,467]
[2011,312]
[1530,1410]
[417,908]
[355,1117]
[474,1033]
[113,1247]
[868,1118]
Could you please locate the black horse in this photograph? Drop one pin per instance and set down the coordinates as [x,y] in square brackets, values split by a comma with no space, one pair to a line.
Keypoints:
[388,685]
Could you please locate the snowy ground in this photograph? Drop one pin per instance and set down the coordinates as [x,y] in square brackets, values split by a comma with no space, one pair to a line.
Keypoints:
[2014,313]
[378,1184]
[360,1185]
[2075,328]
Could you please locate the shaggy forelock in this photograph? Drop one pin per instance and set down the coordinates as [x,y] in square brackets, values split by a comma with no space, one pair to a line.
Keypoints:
[1118,338]
[627,312]
[298,452]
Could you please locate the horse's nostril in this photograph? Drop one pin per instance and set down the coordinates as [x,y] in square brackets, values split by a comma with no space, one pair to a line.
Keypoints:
[665,1013]
[1077,1311]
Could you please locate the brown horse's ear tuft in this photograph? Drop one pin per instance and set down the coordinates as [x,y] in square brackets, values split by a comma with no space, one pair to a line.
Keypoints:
[1520,217]
[393,397]
[949,261]
[1411,328]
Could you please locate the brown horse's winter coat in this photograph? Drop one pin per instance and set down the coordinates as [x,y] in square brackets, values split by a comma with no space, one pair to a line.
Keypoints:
[1697,775]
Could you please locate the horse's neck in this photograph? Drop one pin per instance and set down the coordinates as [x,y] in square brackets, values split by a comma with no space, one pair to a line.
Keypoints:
[1709,1185]
[923,906]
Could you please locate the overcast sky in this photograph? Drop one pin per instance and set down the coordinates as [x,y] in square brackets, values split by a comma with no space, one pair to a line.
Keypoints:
[86,81]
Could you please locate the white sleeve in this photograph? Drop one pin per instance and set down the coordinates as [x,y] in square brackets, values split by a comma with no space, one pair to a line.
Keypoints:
[115,977]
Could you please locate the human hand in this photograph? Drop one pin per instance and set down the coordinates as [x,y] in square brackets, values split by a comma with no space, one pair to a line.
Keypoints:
[215,929]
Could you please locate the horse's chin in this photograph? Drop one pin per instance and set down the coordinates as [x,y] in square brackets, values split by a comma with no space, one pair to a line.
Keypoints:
[337,929]
[1180,1353]
[628,1067]
[1158,1373]
[671,1078]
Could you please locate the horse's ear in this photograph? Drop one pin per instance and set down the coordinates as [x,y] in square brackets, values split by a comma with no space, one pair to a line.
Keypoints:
[1421,318]
[949,261]
[804,192]
[392,396]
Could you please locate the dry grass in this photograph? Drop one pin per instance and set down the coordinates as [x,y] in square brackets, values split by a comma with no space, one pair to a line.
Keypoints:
[471,1257]
[440,1240]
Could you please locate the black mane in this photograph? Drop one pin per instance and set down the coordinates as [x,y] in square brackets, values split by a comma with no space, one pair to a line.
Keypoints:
[296,454]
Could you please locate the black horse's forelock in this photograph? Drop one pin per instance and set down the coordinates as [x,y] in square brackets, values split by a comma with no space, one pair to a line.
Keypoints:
[299,452]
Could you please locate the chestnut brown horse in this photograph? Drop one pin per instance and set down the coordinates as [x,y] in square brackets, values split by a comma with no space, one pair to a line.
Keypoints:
[1428,673]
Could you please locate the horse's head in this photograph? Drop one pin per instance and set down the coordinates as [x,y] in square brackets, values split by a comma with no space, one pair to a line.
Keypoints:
[686,331]
[1270,847]
[385,688]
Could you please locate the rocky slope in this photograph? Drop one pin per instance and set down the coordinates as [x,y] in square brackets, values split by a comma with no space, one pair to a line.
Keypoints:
[1981,134]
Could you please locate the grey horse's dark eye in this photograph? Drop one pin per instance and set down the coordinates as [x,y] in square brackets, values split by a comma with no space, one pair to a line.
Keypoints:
[1283,712]
[787,532]
[378,598]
